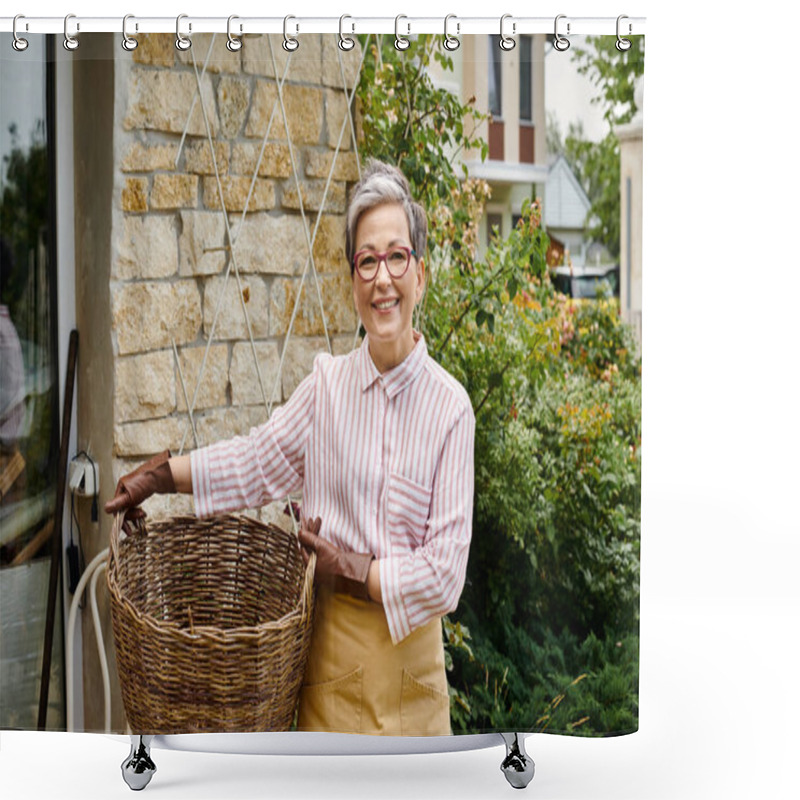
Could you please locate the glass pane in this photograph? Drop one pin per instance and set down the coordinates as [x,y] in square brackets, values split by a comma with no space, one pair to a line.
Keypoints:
[28,396]
[525,79]
[495,77]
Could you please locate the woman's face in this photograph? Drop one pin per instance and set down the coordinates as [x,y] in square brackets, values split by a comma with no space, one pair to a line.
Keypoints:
[386,304]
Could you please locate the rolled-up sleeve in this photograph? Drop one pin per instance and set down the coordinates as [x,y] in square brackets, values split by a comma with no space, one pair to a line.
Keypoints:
[428,582]
[267,464]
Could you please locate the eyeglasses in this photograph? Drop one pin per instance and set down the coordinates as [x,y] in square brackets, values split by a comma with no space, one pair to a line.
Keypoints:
[397,260]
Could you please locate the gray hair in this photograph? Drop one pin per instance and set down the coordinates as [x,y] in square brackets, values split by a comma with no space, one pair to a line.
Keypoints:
[384,183]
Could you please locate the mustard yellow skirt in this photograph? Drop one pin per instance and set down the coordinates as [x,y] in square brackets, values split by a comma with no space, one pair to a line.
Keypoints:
[357,681]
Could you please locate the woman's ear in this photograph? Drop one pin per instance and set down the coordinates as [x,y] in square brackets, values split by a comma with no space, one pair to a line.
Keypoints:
[420,288]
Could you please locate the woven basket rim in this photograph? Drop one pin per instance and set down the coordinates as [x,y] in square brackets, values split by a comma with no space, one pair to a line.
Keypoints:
[209,632]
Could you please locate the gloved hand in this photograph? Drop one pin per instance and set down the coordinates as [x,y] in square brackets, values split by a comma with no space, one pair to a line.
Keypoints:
[154,476]
[344,572]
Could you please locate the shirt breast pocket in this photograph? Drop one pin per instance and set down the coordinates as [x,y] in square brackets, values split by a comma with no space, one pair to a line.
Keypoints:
[408,506]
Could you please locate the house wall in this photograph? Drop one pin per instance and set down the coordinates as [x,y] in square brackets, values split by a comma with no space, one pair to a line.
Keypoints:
[631,187]
[153,249]
[93,164]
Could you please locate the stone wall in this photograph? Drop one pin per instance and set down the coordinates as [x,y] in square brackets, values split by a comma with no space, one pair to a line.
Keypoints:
[170,246]
[152,249]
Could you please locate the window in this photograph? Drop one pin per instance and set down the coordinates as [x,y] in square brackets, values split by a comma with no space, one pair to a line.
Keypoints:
[525,78]
[495,77]
[494,221]
[29,419]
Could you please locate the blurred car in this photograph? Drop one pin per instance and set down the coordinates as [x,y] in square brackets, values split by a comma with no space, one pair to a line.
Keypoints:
[587,283]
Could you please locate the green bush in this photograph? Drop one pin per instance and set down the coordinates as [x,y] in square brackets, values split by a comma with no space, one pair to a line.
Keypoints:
[547,627]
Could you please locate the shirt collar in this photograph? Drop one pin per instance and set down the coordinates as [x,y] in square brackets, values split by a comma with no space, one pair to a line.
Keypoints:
[397,378]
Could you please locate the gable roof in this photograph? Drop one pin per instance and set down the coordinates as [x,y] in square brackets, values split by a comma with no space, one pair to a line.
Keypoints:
[565,202]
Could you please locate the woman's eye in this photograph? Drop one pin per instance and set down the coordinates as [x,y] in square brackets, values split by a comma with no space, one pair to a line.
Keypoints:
[398,256]
[368,261]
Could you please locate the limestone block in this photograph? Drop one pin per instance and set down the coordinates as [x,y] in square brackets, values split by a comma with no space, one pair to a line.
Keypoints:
[305,63]
[213,389]
[148,437]
[231,321]
[233,100]
[147,248]
[337,301]
[319,164]
[173,191]
[245,388]
[334,61]
[148,315]
[299,361]
[270,244]
[160,100]
[134,195]
[304,110]
[235,190]
[336,112]
[200,243]
[161,506]
[156,49]
[315,195]
[265,116]
[219,424]
[329,245]
[221,60]
[148,158]
[199,160]
[144,386]
[343,344]
[273,514]
[275,160]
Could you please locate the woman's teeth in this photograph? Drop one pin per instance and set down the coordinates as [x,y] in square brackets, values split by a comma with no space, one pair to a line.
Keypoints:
[386,304]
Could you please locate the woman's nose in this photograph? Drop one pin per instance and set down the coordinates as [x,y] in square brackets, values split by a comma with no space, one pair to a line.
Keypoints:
[383,277]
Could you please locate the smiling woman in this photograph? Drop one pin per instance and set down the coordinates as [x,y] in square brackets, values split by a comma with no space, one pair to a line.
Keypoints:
[388,276]
[381,443]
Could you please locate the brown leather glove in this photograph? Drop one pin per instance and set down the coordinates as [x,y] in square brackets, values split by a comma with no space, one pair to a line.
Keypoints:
[344,572]
[154,476]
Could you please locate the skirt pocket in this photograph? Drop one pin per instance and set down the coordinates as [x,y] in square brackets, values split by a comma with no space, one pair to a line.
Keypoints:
[424,709]
[333,706]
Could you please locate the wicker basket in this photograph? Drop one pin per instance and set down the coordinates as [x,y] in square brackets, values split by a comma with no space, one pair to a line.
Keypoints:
[212,623]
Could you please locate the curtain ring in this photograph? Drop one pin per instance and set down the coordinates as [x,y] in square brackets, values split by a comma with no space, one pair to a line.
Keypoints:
[70,42]
[622,44]
[290,43]
[561,43]
[181,41]
[128,42]
[506,42]
[345,42]
[400,42]
[18,43]
[450,42]
[234,43]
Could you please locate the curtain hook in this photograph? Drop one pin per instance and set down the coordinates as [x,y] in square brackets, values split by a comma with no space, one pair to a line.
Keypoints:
[18,43]
[70,42]
[506,42]
[561,43]
[623,44]
[290,43]
[345,42]
[450,42]
[128,42]
[182,42]
[400,42]
[234,43]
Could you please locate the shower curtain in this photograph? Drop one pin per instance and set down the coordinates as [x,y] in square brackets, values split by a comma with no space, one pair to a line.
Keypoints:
[210,193]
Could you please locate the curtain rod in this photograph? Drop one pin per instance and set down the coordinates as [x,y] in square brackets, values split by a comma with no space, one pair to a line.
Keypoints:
[347,25]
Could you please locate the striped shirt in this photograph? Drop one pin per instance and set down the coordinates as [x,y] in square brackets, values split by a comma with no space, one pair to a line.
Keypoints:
[385,460]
